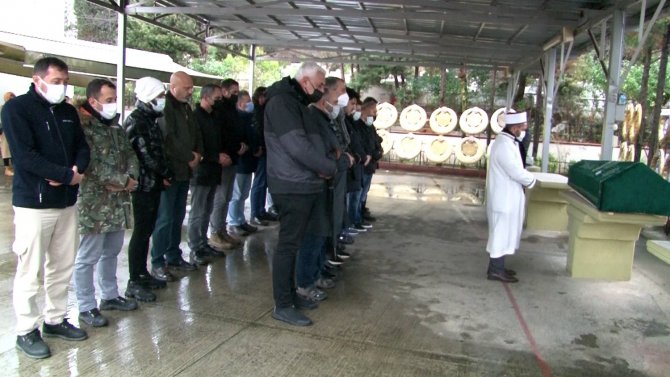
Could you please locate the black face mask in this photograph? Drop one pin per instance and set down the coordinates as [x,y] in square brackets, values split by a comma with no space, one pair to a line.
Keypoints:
[314,97]
[233,99]
[218,104]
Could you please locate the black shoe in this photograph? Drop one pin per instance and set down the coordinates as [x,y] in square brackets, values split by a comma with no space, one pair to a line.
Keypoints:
[273,212]
[369,217]
[139,292]
[345,239]
[237,230]
[502,277]
[161,273]
[200,257]
[93,318]
[249,228]
[212,252]
[340,247]
[268,217]
[343,255]
[509,272]
[32,345]
[118,303]
[181,265]
[64,330]
[360,228]
[149,282]
[366,225]
[303,303]
[328,274]
[291,316]
[258,222]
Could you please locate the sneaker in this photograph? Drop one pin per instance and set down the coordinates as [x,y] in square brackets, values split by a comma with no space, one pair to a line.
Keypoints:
[139,292]
[93,318]
[32,345]
[118,303]
[161,273]
[351,231]
[302,303]
[149,282]
[230,239]
[268,217]
[325,283]
[212,252]
[199,257]
[218,243]
[360,228]
[345,239]
[258,222]
[312,294]
[237,230]
[328,274]
[369,217]
[291,316]
[343,255]
[181,265]
[64,330]
[366,225]
[335,261]
[249,228]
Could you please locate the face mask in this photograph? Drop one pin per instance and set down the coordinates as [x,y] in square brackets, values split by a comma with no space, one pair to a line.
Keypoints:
[357,115]
[335,111]
[108,110]
[55,92]
[522,135]
[249,107]
[218,104]
[315,97]
[159,105]
[369,121]
[343,100]
[233,98]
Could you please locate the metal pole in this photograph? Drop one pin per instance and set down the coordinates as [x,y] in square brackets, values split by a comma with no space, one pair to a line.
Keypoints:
[550,73]
[616,50]
[121,62]
[252,67]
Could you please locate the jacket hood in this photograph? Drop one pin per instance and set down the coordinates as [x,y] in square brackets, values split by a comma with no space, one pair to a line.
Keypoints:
[287,86]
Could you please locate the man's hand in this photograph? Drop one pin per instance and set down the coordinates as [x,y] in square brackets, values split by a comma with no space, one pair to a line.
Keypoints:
[351,159]
[225,160]
[243,148]
[131,185]
[195,161]
[76,178]
[368,158]
[259,152]
[166,183]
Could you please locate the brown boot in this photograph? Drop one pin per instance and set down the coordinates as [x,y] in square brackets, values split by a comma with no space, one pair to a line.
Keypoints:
[230,239]
[219,243]
[9,171]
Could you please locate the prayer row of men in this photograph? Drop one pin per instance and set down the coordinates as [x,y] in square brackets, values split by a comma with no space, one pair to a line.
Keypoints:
[308,139]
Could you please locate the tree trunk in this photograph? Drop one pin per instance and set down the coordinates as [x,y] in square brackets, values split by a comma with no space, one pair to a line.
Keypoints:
[538,119]
[643,100]
[396,82]
[342,71]
[402,79]
[658,103]
[416,72]
[492,104]
[443,84]
[520,91]
[352,71]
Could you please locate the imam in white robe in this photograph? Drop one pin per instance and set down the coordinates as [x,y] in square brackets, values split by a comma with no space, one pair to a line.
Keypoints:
[505,200]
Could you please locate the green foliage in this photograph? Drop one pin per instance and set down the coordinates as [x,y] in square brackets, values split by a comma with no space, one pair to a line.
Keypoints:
[144,36]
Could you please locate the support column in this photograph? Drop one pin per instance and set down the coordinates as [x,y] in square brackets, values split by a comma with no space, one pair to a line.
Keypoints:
[252,67]
[616,50]
[549,74]
[511,89]
[121,62]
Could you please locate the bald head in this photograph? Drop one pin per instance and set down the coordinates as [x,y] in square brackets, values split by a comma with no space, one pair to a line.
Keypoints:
[181,86]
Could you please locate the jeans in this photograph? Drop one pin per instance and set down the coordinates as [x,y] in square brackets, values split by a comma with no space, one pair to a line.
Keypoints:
[354,206]
[100,251]
[202,203]
[259,188]
[167,234]
[145,212]
[294,214]
[309,263]
[367,181]
[240,194]
[224,193]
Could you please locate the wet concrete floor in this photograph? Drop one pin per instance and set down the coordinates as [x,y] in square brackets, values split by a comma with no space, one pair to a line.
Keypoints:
[412,301]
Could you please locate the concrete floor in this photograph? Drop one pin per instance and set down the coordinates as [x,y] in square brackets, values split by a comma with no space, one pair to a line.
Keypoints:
[412,301]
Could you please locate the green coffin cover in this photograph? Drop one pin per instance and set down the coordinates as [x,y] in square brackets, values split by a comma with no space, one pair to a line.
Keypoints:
[621,186]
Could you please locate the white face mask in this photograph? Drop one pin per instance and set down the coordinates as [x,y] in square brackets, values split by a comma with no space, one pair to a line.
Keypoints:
[335,111]
[55,92]
[522,135]
[108,110]
[369,120]
[343,100]
[357,115]
[159,106]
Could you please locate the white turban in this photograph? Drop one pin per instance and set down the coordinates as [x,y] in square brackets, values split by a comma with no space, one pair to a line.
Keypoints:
[148,88]
[512,118]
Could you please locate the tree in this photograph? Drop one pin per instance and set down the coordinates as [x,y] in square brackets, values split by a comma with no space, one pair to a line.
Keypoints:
[660,90]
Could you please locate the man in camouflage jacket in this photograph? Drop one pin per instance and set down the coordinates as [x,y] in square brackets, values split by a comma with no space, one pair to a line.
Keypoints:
[104,203]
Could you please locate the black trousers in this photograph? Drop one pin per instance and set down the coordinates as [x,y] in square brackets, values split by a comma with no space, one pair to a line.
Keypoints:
[497,265]
[145,212]
[295,211]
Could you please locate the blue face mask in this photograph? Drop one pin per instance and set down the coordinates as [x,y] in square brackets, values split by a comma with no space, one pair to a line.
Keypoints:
[249,107]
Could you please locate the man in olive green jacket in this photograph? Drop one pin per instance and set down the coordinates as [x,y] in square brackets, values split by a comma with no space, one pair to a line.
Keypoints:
[183,147]
[103,204]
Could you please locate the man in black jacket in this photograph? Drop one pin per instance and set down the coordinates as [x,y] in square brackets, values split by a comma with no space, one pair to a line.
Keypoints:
[207,175]
[297,168]
[50,156]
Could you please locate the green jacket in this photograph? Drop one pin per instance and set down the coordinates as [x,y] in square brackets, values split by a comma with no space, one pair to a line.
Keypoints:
[182,136]
[102,209]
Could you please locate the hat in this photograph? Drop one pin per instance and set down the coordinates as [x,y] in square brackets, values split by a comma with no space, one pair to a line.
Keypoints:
[148,88]
[512,118]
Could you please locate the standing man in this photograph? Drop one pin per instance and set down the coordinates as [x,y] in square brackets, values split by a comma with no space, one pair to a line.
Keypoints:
[297,169]
[50,157]
[505,199]
[104,204]
[183,147]
[259,187]
[207,175]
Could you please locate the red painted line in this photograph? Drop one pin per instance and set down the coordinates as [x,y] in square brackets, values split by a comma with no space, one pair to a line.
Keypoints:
[544,367]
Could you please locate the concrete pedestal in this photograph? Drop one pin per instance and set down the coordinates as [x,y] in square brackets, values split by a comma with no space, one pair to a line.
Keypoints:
[602,244]
[546,209]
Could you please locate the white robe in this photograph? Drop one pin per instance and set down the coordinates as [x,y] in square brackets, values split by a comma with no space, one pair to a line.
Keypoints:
[505,198]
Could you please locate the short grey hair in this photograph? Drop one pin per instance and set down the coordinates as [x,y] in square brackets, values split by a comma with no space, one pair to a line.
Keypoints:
[309,69]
